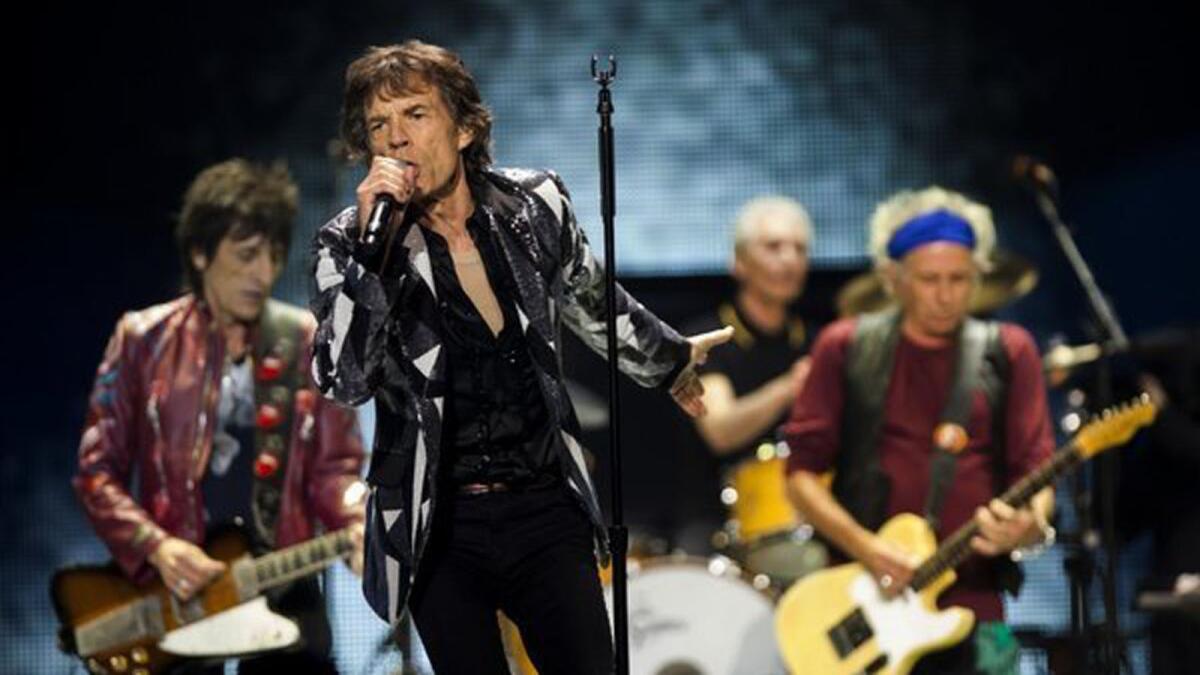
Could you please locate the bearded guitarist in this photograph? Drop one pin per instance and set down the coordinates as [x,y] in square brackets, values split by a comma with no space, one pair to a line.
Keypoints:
[924,410]
[203,409]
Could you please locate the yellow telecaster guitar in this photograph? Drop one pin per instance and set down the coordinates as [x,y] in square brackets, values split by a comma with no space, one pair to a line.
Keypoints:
[836,622]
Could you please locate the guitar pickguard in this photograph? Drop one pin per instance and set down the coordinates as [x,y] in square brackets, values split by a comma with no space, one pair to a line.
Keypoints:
[249,628]
[903,626]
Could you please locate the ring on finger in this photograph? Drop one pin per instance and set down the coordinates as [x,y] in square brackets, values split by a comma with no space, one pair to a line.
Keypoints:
[886,581]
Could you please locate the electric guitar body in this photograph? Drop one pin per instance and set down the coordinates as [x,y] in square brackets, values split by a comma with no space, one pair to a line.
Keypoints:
[836,621]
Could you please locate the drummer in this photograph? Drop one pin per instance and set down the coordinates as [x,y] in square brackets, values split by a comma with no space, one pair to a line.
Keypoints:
[750,382]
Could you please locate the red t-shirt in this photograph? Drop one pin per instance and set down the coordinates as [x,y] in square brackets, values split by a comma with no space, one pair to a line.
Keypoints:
[916,397]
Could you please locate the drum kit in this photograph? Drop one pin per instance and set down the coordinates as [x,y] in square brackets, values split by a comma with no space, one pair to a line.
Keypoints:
[714,616]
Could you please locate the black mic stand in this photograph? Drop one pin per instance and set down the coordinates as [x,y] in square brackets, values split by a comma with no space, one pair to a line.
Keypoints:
[1079,564]
[617,532]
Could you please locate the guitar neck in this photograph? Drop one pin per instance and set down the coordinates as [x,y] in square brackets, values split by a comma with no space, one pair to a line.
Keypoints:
[291,563]
[957,546]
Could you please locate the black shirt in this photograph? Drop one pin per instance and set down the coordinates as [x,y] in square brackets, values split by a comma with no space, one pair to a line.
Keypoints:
[496,421]
[229,478]
[751,359]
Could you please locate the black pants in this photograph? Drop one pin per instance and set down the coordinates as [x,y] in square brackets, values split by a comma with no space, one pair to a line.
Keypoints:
[528,553]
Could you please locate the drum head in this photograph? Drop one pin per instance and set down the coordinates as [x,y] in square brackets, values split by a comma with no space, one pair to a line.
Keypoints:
[786,556]
[690,616]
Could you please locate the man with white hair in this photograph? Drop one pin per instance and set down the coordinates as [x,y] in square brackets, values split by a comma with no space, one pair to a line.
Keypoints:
[908,430]
[750,383]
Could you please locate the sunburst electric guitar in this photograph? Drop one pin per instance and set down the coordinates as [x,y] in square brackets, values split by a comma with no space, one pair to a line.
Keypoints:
[836,622]
[114,626]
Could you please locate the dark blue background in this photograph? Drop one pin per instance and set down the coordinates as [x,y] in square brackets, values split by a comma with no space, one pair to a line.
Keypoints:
[837,105]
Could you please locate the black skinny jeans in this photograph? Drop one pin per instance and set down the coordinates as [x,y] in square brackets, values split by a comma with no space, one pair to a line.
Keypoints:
[528,553]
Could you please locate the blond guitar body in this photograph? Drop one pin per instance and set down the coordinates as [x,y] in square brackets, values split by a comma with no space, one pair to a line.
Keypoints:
[836,621]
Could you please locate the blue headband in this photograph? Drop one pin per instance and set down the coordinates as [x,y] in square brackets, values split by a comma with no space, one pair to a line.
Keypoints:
[939,225]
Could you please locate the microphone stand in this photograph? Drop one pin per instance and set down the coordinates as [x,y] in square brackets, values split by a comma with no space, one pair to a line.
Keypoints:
[617,532]
[1118,341]
[1080,565]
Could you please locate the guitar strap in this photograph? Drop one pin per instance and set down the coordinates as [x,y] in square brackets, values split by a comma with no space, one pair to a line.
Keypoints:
[981,365]
[278,378]
[950,435]
[859,483]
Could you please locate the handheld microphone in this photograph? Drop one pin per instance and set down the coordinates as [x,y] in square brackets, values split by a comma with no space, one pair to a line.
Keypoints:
[381,214]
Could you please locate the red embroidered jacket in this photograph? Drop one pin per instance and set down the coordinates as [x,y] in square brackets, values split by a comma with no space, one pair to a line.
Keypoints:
[154,406]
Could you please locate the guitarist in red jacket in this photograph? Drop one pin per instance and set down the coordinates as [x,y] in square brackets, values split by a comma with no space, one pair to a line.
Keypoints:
[882,384]
[203,409]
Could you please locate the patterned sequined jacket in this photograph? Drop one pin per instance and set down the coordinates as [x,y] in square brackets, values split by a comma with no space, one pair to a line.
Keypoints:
[154,405]
[378,336]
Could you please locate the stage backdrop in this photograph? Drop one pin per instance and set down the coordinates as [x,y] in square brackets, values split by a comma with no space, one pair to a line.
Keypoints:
[835,104]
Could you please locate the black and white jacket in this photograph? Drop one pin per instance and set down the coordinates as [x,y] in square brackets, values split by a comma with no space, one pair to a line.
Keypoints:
[378,336]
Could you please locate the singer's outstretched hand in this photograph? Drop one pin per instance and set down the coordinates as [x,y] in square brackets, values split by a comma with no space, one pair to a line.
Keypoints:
[387,176]
[687,390]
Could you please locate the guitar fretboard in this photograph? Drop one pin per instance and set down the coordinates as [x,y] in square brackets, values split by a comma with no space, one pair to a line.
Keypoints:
[297,561]
[957,546]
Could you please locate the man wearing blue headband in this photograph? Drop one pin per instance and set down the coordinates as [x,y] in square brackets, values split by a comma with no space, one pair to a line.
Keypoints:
[886,408]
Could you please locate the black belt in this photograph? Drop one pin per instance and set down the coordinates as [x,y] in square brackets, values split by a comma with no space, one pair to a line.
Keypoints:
[521,484]
[483,488]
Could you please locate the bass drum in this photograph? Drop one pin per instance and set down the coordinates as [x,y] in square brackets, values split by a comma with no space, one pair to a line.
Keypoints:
[690,616]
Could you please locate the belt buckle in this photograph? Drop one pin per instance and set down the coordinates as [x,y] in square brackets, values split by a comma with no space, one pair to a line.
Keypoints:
[482,488]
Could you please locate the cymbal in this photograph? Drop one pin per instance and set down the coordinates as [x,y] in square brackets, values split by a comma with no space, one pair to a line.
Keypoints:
[1011,277]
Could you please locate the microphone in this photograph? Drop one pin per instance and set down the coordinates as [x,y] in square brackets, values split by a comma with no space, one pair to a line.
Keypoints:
[1030,171]
[1064,357]
[381,214]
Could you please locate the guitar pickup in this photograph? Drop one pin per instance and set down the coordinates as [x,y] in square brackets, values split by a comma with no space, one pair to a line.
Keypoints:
[850,633]
[121,626]
[245,578]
